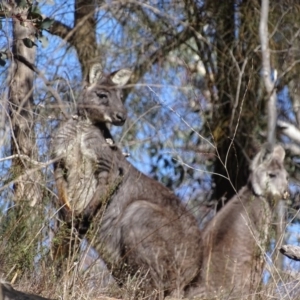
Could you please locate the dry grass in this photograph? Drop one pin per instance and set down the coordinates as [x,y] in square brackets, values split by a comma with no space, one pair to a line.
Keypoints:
[26,262]
[88,286]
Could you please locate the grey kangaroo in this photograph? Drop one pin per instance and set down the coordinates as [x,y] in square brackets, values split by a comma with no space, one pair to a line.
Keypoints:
[81,168]
[142,227]
[77,143]
[236,238]
[145,229]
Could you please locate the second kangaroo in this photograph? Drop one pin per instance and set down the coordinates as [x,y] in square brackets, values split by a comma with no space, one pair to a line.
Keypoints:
[236,239]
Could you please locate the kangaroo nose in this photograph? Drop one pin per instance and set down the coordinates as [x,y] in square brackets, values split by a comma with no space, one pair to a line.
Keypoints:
[120,119]
[286,195]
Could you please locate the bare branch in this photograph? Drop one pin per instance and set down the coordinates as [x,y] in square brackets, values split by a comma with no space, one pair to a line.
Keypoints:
[290,251]
[29,172]
[266,71]
[169,45]
[32,161]
[293,148]
[32,67]
[60,29]
[289,130]
[241,73]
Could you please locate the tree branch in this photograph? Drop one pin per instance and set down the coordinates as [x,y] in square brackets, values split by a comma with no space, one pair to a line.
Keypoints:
[289,130]
[169,45]
[62,30]
[83,35]
[32,67]
[290,251]
[293,148]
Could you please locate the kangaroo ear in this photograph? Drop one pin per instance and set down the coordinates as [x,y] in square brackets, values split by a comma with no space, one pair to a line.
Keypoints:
[279,153]
[121,77]
[259,157]
[267,154]
[96,72]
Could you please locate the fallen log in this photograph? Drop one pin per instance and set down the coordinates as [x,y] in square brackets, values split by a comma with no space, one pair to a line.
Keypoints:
[7,292]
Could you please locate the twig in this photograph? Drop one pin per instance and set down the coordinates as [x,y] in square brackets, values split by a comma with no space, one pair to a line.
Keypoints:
[237,96]
[32,67]
[34,162]
[28,172]
[180,117]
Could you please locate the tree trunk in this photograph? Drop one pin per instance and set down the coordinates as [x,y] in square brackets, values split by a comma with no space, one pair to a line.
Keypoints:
[83,35]
[27,180]
[236,112]
[23,141]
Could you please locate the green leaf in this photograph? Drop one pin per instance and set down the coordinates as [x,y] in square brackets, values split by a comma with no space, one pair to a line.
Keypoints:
[3,55]
[35,10]
[47,22]
[35,13]
[28,43]
[44,41]
[22,4]
[2,62]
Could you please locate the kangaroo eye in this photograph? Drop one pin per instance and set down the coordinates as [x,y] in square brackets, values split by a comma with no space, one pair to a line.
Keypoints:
[102,95]
[271,175]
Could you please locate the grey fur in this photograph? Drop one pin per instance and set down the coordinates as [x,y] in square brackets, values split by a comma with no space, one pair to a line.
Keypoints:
[236,238]
[147,228]
[77,144]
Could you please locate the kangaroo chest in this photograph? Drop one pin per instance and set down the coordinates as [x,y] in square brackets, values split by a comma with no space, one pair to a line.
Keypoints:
[78,145]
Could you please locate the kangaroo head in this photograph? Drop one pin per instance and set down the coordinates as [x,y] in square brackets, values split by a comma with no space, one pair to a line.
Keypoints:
[101,100]
[268,175]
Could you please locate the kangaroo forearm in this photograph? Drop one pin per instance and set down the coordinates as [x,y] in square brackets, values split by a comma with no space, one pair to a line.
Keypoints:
[61,186]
